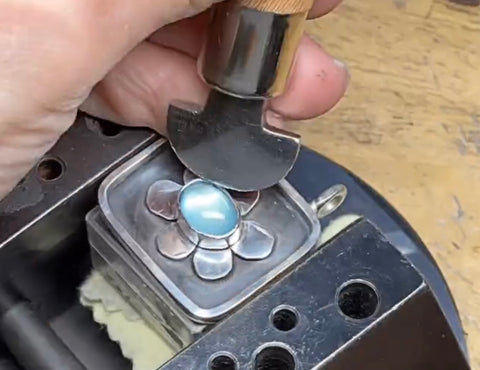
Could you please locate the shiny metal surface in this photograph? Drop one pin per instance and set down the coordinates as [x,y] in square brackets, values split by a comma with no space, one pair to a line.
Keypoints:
[256,242]
[188,176]
[199,240]
[213,244]
[280,209]
[246,58]
[212,265]
[329,200]
[249,240]
[246,200]
[162,199]
[237,235]
[249,53]
[231,144]
[172,245]
[186,231]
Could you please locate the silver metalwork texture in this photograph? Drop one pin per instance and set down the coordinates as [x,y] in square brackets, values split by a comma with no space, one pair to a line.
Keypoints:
[212,265]
[246,200]
[171,245]
[213,244]
[231,143]
[249,240]
[328,201]
[247,59]
[188,176]
[280,209]
[256,243]
[162,199]
[249,53]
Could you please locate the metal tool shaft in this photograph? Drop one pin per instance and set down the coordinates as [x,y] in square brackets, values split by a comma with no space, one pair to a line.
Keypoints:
[248,53]
[246,59]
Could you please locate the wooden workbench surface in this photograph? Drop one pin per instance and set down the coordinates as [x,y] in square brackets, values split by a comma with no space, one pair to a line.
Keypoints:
[410,125]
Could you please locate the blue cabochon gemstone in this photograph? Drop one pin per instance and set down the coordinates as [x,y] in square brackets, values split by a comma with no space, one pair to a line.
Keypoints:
[208,209]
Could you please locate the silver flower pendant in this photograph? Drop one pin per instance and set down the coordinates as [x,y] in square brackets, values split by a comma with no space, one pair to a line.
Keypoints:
[208,221]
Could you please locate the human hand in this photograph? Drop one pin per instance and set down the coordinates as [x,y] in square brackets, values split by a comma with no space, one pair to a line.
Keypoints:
[117,60]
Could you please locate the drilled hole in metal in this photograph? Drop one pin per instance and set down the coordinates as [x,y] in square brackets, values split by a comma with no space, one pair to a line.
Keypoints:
[223,361]
[284,318]
[274,358]
[109,129]
[50,169]
[358,300]
[103,128]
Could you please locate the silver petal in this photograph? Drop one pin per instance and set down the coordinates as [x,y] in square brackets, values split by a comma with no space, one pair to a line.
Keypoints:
[212,265]
[173,245]
[188,176]
[213,244]
[245,201]
[162,199]
[236,236]
[186,230]
[256,242]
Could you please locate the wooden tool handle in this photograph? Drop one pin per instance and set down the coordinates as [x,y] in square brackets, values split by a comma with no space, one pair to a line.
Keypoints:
[279,6]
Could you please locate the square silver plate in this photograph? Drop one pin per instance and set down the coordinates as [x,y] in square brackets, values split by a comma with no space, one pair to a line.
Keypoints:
[280,209]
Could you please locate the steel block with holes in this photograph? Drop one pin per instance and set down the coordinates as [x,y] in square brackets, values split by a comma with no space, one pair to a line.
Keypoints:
[317,272]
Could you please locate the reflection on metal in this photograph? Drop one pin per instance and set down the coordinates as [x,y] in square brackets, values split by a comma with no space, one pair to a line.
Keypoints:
[207,217]
[212,265]
[256,242]
[231,143]
[330,200]
[162,198]
[245,200]
[171,245]
[246,59]
[188,176]
[213,244]
[281,210]
[249,53]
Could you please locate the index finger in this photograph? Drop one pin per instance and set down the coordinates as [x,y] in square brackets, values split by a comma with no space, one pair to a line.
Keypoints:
[322,7]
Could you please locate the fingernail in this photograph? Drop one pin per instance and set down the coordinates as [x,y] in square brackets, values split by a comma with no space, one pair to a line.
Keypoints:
[343,66]
[274,119]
